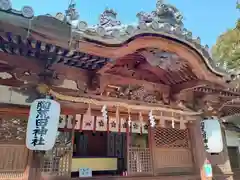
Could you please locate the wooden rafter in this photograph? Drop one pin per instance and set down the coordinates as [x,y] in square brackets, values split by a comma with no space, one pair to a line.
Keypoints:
[188,85]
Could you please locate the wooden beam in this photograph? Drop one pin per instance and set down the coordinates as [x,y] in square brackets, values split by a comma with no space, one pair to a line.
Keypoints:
[14,110]
[110,79]
[106,67]
[155,70]
[22,62]
[11,82]
[71,73]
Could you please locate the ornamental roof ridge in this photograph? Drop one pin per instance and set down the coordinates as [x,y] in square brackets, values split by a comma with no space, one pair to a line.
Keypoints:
[165,20]
[26,11]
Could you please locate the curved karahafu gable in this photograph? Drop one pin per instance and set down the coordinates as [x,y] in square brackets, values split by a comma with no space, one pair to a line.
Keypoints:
[110,38]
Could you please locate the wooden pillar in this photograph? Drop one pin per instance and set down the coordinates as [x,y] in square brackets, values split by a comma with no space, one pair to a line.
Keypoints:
[198,148]
[33,170]
[28,166]
[128,146]
[151,143]
[227,165]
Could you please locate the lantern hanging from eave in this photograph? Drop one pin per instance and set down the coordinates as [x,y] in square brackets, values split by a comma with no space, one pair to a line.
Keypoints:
[212,135]
[42,124]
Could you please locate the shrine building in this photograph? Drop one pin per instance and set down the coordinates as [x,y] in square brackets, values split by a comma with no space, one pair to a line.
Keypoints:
[132,96]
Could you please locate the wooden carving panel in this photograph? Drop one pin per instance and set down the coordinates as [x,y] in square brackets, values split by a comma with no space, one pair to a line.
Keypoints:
[133,89]
[136,93]
[12,130]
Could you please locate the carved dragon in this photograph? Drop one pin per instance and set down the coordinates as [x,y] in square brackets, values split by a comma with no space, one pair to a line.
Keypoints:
[164,13]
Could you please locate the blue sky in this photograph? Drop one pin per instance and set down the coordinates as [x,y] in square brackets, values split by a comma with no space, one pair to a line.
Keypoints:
[205,18]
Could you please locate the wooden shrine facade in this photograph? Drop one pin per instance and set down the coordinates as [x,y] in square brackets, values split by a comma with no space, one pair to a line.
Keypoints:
[155,66]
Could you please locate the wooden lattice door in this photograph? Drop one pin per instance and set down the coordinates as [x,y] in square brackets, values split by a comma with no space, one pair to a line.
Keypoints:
[57,162]
[139,161]
[172,150]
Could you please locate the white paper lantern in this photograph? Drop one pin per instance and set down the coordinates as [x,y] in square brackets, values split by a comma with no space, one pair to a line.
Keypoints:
[212,135]
[42,124]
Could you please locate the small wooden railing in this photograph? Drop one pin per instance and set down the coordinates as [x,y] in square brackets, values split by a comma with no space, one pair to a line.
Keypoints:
[139,161]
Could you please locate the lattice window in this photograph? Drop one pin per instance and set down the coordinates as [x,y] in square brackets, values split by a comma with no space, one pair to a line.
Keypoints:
[13,130]
[171,138]
[139,160]
[231,110]
[57,162]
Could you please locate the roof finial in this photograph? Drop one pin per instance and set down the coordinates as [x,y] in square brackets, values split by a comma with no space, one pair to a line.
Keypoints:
[109,18]
[159,2]
[71,12]
[164,14]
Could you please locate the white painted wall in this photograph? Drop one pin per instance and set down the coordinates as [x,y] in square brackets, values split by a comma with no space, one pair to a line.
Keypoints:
[11,97]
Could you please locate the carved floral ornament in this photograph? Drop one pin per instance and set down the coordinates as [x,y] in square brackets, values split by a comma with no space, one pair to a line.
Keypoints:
[5,75]
[12,129]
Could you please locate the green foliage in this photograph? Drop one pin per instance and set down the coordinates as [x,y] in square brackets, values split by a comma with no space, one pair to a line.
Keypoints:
[226,51]
[238,5]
